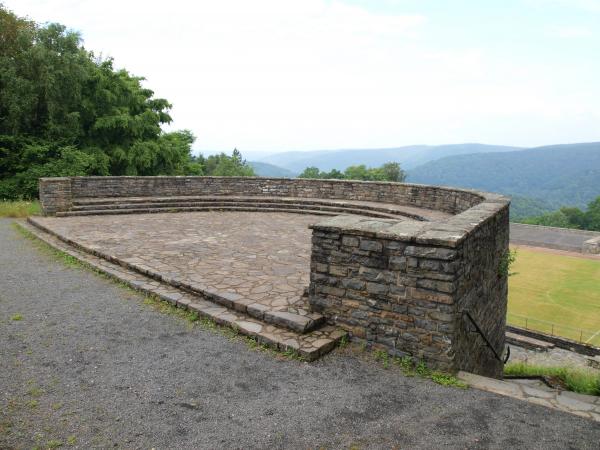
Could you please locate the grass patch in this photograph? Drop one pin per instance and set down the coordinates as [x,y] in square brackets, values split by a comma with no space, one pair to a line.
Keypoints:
[17,317]
[65,258]
[564,290]
[409,368]
[19,208]
[576,380]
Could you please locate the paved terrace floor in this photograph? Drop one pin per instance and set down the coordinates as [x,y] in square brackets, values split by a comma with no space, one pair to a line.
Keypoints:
[89,361]
[262,257]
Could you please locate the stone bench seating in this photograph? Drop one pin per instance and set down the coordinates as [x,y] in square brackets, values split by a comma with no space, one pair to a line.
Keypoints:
[326,207]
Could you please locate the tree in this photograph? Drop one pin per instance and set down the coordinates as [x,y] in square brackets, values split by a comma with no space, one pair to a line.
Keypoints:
[65,112]
[356,173]
[388,172]
[393,172]
[222,165]
[310,172]
[334,174]
[592,215]
[571,217]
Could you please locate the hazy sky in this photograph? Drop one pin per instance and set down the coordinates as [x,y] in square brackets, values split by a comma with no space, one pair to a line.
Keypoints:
[278,75]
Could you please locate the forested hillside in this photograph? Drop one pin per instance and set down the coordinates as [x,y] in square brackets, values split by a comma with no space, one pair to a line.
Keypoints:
[408,157]
[269,170]
[545,177]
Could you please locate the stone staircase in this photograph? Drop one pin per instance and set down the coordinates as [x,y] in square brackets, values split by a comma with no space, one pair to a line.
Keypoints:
[295,328]
[325,207]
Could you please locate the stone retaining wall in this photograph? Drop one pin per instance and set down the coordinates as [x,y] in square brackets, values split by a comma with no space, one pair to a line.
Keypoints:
[591,246]
[431,197]
[404,286]
[400,285]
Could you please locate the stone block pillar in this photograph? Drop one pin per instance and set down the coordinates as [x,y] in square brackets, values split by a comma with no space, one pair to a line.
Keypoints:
[55,195]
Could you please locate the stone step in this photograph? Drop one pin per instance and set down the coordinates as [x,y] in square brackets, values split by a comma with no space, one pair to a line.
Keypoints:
[310,345]
[297,319]
[364,205]
[528,342]
[318,212]
[218,204]
[103,212]
[587,406]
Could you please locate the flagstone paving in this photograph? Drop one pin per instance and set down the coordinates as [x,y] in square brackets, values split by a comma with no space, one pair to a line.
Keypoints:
[251,258]
[534,391]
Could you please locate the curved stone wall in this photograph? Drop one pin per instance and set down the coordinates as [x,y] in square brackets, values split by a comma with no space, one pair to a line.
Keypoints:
[431,197]
[417,288]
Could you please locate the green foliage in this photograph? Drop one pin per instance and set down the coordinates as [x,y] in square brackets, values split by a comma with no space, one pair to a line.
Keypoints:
[576,380]
[222,165]
[422,369]
[523,207]
[571,217]
[383,356]
[554,176]
[446,379]
[506,262]
[406,364]
[390,171]
[64,112]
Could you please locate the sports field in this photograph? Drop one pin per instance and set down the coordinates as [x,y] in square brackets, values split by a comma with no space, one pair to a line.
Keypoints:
[556,293]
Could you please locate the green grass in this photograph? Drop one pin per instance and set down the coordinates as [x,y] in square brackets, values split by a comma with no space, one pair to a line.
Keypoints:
[564,290]
[19,208]
[576,380]
[407,365]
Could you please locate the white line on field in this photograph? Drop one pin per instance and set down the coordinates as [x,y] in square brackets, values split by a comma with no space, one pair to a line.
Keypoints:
[593,336]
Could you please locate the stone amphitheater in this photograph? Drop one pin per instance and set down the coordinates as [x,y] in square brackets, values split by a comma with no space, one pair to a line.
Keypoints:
[299,264]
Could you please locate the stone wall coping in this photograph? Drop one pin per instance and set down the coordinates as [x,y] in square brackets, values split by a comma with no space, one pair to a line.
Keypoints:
[447,233]
[482,195]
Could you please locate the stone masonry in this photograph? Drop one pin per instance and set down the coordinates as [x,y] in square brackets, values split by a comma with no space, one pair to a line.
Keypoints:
[415,287]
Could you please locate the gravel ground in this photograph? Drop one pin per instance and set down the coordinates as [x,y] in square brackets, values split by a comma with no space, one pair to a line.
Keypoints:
[89,365]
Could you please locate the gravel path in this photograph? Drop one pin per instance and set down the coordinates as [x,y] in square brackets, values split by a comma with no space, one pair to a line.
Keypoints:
[89,365]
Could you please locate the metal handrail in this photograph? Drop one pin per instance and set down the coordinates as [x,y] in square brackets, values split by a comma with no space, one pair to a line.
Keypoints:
[486,340]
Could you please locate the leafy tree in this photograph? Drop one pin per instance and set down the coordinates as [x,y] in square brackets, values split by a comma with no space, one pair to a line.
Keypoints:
[392,171]
[311,172]
[334,174]
[592,215]
[359,172]
[65,112]
[388,172]
[228,166]
[570,217]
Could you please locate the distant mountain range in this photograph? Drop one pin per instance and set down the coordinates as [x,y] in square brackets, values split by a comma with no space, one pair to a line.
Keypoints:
[554,175]
[269,170]
[539,180]
[408,157]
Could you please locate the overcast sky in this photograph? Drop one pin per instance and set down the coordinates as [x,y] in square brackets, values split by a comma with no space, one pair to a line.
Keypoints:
[279,75]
